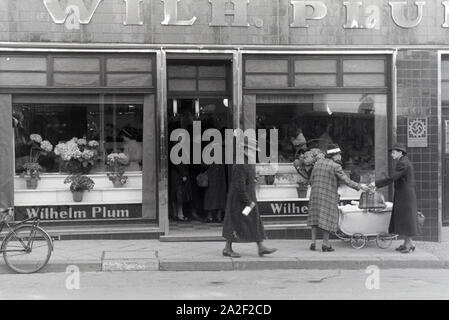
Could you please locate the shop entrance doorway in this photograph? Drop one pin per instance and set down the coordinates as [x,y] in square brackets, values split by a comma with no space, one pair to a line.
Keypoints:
[199,94]
[190,203]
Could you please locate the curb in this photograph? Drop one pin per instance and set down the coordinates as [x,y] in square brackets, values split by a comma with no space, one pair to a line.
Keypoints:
[58,267]
[230,264]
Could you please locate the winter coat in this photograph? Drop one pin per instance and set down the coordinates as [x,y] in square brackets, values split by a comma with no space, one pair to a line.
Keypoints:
[180,191]
[324,198]
[404,219]
[242,191]
[215,194]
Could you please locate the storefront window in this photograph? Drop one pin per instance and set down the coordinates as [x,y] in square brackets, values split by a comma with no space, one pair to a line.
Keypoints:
[104,128]
[356,122]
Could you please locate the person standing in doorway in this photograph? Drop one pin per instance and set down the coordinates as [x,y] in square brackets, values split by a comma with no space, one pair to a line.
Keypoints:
[242,221]
[324,198]
[404,216]
[215,194]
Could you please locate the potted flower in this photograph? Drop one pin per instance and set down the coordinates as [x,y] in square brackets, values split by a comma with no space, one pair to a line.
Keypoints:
[78,155]
[79,184]
[116,165]
[39,147]
[304,165]
[268,171]
[31,171]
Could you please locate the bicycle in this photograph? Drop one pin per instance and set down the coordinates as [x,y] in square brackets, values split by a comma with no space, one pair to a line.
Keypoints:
[26,247]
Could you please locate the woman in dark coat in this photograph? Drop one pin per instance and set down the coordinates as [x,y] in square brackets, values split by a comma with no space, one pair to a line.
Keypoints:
[215,194]
[404,217]
[238,227]
[180,190]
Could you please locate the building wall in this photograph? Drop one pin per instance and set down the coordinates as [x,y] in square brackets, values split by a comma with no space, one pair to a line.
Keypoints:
[28,20]
[417,95]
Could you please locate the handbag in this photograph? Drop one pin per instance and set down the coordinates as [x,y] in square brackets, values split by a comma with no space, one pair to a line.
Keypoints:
[421,220]
[202,180]
[372,200]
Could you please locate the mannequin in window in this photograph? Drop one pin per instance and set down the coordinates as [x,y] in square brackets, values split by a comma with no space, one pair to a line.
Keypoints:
[132,149]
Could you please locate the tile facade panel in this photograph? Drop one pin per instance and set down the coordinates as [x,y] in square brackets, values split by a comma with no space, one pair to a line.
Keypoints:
[417,97]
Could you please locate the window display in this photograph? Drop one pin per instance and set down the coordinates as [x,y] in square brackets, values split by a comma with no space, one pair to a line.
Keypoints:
[72,138]
[356,122]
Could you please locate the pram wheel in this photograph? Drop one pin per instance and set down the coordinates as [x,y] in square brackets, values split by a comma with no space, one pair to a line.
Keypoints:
[358,241]
[384,240]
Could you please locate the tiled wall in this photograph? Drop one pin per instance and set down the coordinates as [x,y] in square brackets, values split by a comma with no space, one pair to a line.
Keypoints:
[417,97]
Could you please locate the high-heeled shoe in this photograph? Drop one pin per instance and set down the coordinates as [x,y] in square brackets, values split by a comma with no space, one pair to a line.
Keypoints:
[312,247]
[401,247]
[266,251]
[408,250]
[231,254]
[327,248]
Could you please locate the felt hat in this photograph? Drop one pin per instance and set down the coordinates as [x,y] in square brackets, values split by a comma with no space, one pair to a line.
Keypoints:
[399,147]
[332,149]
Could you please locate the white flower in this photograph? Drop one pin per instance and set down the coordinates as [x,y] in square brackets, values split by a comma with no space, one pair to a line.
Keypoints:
[82,142]
[120,158]
[77,154]
[60,149]
[35,137]
[46,146]
[88,154]
[93,144]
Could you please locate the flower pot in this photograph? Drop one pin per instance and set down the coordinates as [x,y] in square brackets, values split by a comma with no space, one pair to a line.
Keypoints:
[270,179]
[77,196]
[302,192]
[117,184]
[31,183]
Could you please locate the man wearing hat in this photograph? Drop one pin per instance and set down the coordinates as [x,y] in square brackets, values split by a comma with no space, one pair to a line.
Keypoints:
[404,216]
[324,198]
[242,221]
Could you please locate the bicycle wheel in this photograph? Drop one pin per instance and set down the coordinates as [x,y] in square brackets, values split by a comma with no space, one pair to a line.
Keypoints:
[27,249]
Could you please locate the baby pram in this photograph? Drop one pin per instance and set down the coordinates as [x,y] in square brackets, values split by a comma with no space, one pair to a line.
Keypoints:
[359,226]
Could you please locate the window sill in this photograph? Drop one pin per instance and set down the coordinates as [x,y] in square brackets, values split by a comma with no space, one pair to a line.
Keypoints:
[51,190]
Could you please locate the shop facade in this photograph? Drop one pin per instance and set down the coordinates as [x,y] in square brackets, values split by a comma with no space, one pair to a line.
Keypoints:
[362,74]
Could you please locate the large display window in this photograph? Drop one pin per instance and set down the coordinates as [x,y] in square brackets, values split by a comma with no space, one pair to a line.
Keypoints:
[356,122]
[96,141]
[54,134]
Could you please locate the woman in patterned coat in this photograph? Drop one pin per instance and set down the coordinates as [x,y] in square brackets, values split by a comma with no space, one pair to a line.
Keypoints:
[324,198]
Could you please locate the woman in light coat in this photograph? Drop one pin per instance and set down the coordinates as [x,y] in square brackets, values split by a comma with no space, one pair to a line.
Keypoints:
[324,198]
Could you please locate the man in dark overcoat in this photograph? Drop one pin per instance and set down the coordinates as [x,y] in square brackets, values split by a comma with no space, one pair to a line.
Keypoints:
[404,217]
[324,197]
[238,227]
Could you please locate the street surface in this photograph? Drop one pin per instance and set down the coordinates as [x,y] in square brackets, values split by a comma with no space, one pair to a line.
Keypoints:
[231,285]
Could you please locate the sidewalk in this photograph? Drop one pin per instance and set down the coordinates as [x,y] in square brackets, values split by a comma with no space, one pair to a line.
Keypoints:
[153,255]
